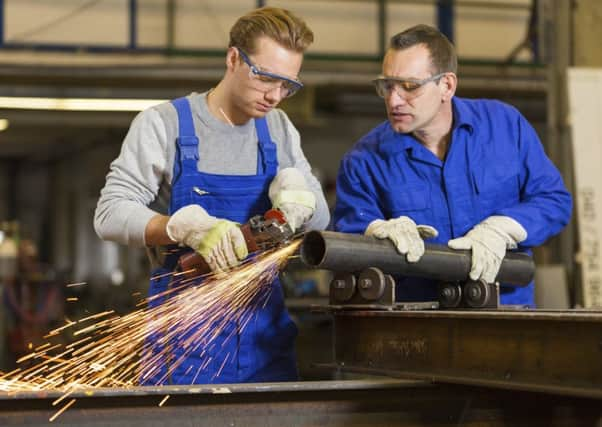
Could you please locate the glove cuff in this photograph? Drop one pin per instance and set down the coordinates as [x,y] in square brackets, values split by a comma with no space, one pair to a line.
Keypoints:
[512,231]
[171,236]
[373,226]
[185,221]
[301,197]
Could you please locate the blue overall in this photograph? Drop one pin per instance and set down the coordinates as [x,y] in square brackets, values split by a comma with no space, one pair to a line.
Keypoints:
[262,351]
[495,165]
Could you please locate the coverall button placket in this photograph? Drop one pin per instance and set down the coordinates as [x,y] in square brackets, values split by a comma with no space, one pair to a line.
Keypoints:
[458,184]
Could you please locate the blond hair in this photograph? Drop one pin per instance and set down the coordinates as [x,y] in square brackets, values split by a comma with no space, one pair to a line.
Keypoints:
[280,25]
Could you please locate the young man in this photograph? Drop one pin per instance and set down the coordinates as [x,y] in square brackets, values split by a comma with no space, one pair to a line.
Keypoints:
[217,159]
[472,173]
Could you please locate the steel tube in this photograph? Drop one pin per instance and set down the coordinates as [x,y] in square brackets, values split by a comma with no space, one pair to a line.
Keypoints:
[342,252]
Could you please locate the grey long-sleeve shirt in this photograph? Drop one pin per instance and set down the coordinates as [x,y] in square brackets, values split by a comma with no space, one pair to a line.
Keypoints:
[138,185]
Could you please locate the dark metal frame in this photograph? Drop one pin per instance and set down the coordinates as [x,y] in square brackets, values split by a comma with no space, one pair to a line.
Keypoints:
[445,21]
[343,403]
[557,352]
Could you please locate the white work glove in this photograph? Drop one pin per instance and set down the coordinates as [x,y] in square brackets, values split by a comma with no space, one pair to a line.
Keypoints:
[489,241]
[405,235]
[289,193]
[219,241]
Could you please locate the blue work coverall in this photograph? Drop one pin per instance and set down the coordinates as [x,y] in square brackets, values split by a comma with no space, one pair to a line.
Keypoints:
[259,350]
[495,165]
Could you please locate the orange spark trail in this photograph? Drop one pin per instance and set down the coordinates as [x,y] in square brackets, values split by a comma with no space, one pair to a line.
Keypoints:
[112,350]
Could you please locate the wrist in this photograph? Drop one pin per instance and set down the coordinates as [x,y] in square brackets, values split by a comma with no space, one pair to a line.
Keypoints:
[508,228]
[155,232]
[300,197]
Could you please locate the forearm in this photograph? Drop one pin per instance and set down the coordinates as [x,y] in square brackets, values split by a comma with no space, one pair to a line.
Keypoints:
[545,205]
[132,184]
[294,157]
[155,233]
[351,219]
[356,206]
[541,218]
[321,217]
[122,221]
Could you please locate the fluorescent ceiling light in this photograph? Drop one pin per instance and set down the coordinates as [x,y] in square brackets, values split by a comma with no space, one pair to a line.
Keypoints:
[77,104]
[4,124]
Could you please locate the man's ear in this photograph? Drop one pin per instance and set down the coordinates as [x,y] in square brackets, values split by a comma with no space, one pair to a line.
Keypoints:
[450,83]
[231,58]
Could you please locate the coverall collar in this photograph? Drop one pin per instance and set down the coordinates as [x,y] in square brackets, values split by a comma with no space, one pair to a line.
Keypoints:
[463,116]
[393,142]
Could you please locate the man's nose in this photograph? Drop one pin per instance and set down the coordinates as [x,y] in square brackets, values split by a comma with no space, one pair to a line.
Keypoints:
[274,94]
[394,98]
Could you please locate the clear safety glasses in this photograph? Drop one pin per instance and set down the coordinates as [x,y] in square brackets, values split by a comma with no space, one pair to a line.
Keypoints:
[406,88]
[288,87]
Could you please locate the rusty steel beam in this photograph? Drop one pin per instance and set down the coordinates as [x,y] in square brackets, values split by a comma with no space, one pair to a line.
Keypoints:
[557,352]
[330,403]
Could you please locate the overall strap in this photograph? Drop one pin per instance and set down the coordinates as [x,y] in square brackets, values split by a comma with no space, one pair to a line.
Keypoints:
[267,160]
[187,148]
[187,143]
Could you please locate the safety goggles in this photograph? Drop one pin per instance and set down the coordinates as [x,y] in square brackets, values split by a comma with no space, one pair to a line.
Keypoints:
[270,81]
[405,88]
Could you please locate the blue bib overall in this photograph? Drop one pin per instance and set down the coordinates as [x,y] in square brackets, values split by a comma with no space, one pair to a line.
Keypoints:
[262,351]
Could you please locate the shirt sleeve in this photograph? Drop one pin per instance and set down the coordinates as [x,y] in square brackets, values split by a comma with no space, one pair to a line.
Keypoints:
[357,203]
[133,181]
[545,204]
[321,217]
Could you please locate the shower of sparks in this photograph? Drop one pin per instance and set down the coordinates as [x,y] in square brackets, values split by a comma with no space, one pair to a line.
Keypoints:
[114,351]
[164,400]
[71,285]
[60,411]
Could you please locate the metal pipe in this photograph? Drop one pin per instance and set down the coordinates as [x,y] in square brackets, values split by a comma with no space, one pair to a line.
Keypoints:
[342,252]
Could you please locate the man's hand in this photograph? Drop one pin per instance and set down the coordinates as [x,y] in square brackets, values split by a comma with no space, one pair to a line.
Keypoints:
[219,241]
[489,241]
[289,193]
[405,235]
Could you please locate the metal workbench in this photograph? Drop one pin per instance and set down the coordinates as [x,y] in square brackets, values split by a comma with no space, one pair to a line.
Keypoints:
[460,368]
[330,403]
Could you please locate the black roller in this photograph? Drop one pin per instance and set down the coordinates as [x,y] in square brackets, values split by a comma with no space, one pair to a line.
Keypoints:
[342,252]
